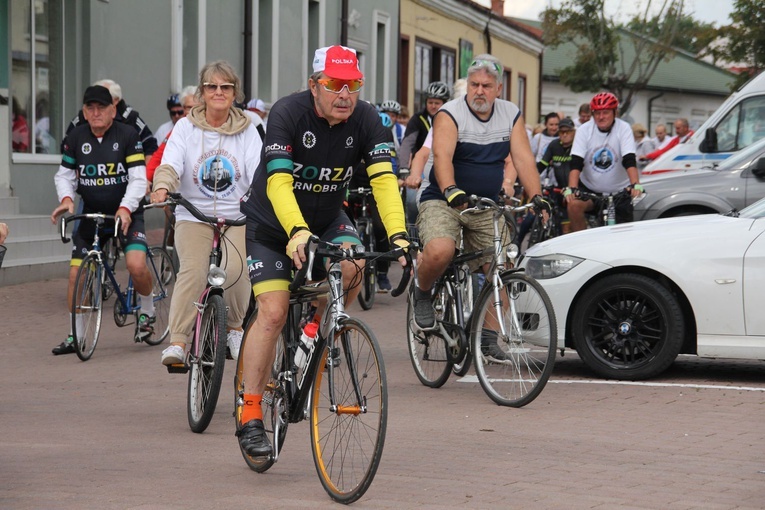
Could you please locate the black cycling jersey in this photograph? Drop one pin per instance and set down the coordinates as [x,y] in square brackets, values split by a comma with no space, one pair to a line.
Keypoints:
[321,160]
[559,157]
[102,166]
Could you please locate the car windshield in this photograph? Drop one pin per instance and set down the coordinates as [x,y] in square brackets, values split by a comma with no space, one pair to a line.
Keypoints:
[756,210]
[744,157]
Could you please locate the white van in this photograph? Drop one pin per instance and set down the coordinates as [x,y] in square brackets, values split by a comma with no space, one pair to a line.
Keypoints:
[738,122]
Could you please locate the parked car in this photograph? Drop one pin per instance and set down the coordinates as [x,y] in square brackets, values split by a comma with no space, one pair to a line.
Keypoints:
[629,298]
[736,124]
[733,184]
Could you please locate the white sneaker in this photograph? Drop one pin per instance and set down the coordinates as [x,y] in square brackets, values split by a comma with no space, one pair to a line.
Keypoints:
[173,355]
[235,342]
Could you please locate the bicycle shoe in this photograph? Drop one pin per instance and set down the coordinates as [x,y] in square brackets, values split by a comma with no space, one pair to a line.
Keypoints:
[253,439]
[65,347]
[145,327]
[424,316]
[489,347]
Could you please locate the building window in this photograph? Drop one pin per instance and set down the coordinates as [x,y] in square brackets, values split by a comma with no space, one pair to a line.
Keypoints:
[522,93]
[36,84]
[431,63]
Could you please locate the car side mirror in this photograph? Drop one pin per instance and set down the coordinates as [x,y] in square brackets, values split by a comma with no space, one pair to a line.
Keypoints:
[709,144]
[758,169]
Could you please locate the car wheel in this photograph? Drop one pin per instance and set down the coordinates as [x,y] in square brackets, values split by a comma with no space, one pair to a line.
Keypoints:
[628,327]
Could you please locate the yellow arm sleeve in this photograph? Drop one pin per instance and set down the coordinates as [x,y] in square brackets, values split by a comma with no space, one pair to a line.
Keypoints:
[389,203]
[279,191]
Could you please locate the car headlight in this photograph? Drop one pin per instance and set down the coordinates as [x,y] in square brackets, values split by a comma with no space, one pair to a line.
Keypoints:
[551,266]
[216,276]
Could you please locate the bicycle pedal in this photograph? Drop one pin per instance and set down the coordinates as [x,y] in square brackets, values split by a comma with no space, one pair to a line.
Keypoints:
[178,368]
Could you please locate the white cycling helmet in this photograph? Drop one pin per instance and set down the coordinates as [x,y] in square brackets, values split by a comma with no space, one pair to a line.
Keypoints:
[390,106]
[438,90]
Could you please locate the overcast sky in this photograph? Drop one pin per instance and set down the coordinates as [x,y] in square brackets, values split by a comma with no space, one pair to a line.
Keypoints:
[710,11]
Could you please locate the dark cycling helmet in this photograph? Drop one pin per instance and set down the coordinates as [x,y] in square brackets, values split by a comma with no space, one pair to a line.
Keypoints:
[386,121]
[438,90]
[173,100]
[604,101]
[390,106]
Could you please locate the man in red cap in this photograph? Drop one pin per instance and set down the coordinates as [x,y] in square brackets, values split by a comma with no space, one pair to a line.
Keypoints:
[315,140]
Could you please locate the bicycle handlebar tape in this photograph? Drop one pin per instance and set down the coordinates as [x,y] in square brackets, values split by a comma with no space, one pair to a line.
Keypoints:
[455,197]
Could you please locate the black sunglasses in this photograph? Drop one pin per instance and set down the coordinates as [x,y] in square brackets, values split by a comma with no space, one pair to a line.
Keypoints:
[176,113]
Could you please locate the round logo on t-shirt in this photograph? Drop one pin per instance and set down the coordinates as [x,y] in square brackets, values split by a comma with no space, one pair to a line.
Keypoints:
[602,160]
[217,174]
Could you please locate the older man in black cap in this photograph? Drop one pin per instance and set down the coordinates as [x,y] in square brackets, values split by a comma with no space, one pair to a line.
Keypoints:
[103,161]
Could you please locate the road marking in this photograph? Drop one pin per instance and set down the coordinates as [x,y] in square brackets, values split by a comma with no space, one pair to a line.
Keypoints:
[474,379]
[660,385]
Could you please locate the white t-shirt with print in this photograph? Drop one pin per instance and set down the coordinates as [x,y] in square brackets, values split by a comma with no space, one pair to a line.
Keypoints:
[603,171]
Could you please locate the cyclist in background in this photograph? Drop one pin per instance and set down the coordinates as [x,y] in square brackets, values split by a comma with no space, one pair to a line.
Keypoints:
[602,161]
[360,179]
[175,110]
[541,140]
[314,140]
[393,109]
[100,142]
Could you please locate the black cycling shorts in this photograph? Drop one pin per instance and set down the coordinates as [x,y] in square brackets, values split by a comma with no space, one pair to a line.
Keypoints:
[269,266]
[622,207]
[82,238]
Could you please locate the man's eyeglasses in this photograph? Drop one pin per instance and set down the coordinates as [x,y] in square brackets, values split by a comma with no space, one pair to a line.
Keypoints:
[212,87]
[176,113]
[487,63]
[336,86]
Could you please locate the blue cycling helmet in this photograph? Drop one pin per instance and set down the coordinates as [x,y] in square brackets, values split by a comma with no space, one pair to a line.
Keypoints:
[173,100]
[385,118]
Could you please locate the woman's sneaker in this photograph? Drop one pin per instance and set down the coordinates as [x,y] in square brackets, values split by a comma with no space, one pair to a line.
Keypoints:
[173,355]
[234,340]
[65,347]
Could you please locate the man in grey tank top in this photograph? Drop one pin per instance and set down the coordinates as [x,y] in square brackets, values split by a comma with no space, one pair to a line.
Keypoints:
[473,136]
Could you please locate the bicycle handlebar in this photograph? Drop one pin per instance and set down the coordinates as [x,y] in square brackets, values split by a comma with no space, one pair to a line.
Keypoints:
[90,216]
[316,247]
[177,199]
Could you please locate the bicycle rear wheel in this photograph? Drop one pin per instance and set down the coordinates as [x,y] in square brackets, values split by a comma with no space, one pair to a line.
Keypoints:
[369,276]
[87,306]
[427,351]
[275,403]
[163,280]
[347,436]
[514,367]
[206,371]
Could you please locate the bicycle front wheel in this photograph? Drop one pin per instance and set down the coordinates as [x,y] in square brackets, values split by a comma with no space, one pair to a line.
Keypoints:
[163,280]
[87,305]
[206,371]
[514,341]
[427,351]
[349,413]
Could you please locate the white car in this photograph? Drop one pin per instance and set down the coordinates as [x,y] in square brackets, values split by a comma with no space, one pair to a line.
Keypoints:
[631,297]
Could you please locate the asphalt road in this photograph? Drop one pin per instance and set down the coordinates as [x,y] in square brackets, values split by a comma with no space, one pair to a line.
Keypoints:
[111,433]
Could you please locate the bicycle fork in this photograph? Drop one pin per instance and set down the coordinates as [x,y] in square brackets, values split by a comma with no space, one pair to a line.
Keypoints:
[336,309]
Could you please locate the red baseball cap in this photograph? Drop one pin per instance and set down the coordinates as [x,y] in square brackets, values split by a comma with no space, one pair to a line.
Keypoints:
[337,62]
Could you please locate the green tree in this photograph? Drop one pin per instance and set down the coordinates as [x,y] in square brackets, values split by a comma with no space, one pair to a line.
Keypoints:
[603,49]
[744,39]
[691,35]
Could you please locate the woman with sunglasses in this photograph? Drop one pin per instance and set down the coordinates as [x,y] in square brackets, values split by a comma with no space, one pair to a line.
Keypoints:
[210,158]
